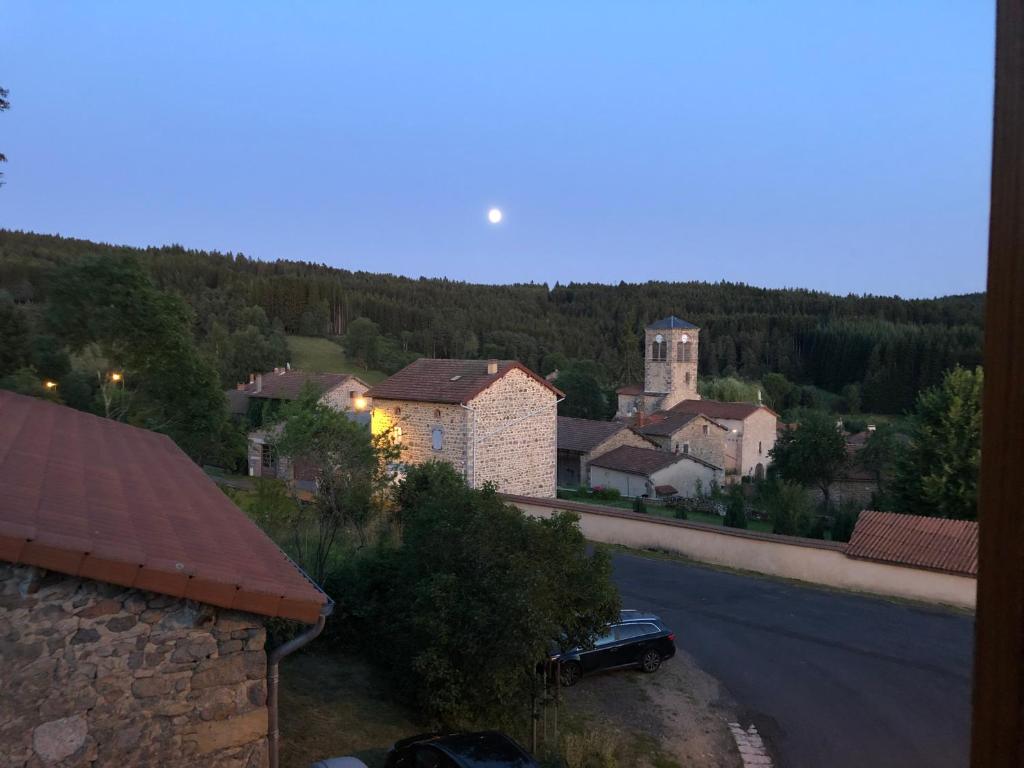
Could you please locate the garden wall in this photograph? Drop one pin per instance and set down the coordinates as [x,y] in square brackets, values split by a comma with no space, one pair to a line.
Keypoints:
[817,562]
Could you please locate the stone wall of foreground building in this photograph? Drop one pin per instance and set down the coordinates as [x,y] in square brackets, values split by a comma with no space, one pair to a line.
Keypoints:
[99,675]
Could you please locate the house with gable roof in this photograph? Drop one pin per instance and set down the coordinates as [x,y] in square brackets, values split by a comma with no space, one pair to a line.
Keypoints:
[133,596]
[495,421]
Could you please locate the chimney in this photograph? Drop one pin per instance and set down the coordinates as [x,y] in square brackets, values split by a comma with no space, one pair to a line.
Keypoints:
[259,383]
[252,378]
[492,367]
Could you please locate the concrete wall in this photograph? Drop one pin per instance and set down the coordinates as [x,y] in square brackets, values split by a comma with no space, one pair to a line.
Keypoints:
[515,436]
[816,562]
[95,674]
[683,476]
[625,483]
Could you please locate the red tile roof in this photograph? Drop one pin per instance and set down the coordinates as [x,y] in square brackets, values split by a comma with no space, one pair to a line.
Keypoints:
[584,435]
[288,385]
[666,424]
[925,542]
[717,409]
[95,498]
[642,461]
[433,380]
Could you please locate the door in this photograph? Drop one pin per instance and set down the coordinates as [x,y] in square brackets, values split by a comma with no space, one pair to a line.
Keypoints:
[602,652]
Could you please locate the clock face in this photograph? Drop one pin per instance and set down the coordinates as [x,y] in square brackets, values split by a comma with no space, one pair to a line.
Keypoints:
[685,338]
[659,338]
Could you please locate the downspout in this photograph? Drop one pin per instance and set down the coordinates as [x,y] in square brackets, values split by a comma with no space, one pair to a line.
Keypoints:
[273,735]
[470,443]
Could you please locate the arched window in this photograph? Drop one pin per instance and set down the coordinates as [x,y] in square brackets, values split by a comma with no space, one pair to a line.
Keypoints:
[659,350]
[683,351]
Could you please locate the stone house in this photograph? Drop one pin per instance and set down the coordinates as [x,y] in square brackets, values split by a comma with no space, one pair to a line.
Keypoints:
[580,440]
[494,421]
[670,369]
[687,433]
[751,430]
[653,473]
[341,391]
[132,600]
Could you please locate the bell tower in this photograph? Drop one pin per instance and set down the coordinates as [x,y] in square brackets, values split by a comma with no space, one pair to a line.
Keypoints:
[670,362]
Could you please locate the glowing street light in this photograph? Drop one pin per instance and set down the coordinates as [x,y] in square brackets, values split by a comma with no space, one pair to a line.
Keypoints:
[115,376]
[51,385]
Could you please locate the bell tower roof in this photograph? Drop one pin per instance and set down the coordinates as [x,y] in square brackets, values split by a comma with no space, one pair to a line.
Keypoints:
[670,322]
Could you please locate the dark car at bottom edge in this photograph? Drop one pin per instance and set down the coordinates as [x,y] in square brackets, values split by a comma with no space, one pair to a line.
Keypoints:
[487,749]
[637,639]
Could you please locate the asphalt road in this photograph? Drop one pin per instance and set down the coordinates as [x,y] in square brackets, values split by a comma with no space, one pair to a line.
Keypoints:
[829,678]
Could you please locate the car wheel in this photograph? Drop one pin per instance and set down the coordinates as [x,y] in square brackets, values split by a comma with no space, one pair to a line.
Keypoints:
[570,674]
[650,661]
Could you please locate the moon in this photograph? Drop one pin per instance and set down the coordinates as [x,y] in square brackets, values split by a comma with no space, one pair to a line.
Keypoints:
[494,215]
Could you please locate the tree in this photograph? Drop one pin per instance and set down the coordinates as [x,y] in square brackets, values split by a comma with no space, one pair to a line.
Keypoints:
[878,456]
[5,104]
[789,508]
[584,398]
[464,607]
[937,474]
[14,336]
[735,509]
[362,342]
[812,454]
[350,470]
[778,391]
[144,334]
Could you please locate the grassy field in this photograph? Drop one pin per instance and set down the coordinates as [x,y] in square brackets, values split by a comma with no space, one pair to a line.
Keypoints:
[312,353]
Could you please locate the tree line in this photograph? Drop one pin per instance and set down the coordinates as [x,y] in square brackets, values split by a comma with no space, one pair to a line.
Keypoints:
[890,348]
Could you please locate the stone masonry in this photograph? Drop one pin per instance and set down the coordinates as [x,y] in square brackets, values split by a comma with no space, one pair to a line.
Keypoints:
[101,675]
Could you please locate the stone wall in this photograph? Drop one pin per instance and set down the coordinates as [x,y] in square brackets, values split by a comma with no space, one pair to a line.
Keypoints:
[417,422]
[676,376]
[760,430]
[710,446]
[515,428]
[620,438]
[342,398]
[100,675]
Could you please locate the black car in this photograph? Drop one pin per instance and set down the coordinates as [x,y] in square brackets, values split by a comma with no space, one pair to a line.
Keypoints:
[637,640]
[488,749]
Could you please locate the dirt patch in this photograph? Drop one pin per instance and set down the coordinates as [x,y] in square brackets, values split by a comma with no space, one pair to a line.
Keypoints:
[679,715]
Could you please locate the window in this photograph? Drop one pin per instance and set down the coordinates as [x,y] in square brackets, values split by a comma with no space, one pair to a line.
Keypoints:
[398,434]
[437,413]
[659,350]
[704,430]
[607,637]
[630,631]
[683,352]
[267,456]
[759,450]
[436,438]
[398,411]
[687,378]
[686,449]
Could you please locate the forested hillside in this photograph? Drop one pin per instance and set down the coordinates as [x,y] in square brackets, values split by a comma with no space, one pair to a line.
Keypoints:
[889,347]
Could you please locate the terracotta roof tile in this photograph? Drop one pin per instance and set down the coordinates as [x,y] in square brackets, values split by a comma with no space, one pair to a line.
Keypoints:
[636,461]
[925,542]
[95,498]
[288,385]
[434,380]
[584,435]
[717,409]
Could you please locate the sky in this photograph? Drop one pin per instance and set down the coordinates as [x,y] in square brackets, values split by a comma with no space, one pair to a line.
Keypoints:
[830,145]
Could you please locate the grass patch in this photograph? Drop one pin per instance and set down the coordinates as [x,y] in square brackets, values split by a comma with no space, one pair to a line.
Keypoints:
[335,704]
[313,353]
[761,526]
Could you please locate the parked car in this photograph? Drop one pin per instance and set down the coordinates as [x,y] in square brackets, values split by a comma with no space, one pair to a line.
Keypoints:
[487,749]
[637,639]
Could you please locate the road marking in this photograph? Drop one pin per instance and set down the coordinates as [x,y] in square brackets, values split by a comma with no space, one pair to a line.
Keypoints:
[751,746]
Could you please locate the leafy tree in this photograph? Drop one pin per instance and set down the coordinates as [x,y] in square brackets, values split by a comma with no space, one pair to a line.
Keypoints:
[778,391]
[362,342]
[14,336]
[49,357]
[851,399]
[464,607]
[937,474]
[350,468]
[735,509]
[812,454]
[583,396]
[145,335]
[789,508]
[878,456]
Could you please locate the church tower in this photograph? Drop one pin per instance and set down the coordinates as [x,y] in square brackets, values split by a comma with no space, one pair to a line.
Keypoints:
[670,363]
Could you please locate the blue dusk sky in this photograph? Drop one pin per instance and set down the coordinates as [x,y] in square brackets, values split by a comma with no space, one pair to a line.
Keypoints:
[841,146]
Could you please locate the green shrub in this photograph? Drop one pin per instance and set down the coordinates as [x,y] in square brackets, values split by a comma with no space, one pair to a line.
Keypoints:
[638,505]
[736,509]
[605,494]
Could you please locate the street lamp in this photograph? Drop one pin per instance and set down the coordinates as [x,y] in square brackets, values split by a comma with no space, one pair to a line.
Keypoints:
[50,385]
[115,376]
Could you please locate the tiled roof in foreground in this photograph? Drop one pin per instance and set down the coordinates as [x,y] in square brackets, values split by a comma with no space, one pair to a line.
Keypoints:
[96,498]
[925,542]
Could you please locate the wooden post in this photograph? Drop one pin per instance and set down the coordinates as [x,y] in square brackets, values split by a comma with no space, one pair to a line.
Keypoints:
[998,713]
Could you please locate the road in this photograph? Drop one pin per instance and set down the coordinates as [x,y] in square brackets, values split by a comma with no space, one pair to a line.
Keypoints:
[829,678]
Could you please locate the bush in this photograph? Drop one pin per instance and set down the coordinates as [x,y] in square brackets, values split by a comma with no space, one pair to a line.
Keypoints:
[789,508]
[736,509]
[844,521]
[605,494]
[638,505]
